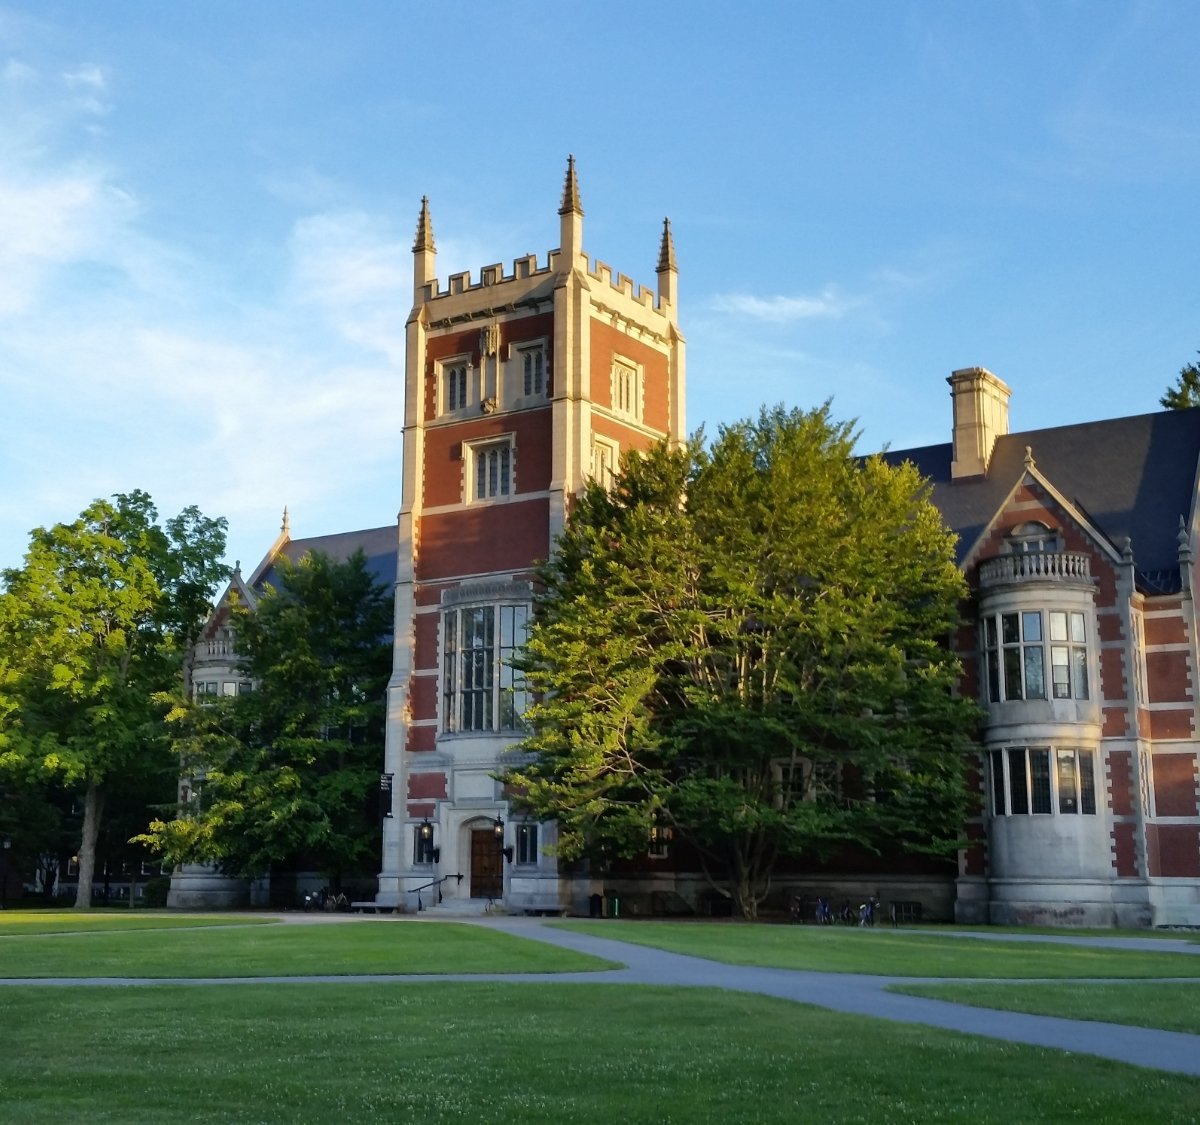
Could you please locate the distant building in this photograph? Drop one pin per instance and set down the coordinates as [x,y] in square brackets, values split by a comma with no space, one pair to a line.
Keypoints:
[1078,543]
[213,669]
[519,386]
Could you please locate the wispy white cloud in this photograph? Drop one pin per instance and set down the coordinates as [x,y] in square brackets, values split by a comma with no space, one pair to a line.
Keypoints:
[356,274]
[125,362]
[830,303]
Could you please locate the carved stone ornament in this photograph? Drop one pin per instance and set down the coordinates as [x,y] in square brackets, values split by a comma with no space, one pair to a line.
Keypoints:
[488,405]
[489,339]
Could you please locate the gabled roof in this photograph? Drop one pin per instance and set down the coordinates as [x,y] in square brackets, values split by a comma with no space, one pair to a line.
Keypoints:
[378,544]
[1131,477]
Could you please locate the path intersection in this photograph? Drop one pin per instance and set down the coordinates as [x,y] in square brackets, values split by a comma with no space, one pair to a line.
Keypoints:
[855,993]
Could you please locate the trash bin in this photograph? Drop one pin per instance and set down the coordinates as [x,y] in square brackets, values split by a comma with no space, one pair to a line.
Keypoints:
[614,907]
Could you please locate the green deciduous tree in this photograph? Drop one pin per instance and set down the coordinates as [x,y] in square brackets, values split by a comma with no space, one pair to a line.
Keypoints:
[749,645]
[289,772]
[93,629]
[1186,390]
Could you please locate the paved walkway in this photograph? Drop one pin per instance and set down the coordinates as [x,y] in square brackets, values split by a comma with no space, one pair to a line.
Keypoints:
[843,992]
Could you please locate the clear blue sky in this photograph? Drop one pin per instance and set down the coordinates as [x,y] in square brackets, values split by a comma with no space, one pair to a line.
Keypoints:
[207,212]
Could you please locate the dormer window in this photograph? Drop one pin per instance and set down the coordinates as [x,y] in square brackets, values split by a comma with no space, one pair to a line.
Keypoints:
[1032,538]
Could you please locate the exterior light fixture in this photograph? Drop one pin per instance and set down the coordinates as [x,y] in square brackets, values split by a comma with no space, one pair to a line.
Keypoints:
[498,831]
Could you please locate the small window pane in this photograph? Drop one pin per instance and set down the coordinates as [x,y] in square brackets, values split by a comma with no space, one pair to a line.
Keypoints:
[997,763]
[1060,671]
[1068,801]
[1039,776]
[1012,674]
[1031,624]
[1078,635]
[1058,626]
[1035,673]
[989,632]
[1081,673]
[1087,783]
[1010,626]
[1018,784]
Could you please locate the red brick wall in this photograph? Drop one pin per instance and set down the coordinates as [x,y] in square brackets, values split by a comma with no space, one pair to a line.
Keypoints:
[484,538]
[422,697]
[1175,784]
[427,785]
[425,649]
[421,739]
[531,430]
[1120,782]
[1173,850]
[607,342]
[1124,850]
[1167,676]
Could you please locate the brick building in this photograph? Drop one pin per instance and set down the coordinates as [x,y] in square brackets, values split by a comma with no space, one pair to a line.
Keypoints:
[518,386]
[1080,635]
[1078,546]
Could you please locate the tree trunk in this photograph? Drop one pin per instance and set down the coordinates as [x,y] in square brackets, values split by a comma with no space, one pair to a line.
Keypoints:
[93,809]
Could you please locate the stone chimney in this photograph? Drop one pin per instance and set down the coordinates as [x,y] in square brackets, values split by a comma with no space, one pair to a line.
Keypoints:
[980,417]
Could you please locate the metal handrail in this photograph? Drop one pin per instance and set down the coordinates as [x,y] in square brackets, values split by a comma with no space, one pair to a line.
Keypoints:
[435,883]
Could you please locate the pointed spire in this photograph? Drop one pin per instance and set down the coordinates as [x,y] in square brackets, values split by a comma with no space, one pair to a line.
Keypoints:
[570,196]
[286,527]
[666,252]
[424,239]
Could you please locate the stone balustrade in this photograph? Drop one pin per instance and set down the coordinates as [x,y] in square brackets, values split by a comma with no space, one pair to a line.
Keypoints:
[1036,566]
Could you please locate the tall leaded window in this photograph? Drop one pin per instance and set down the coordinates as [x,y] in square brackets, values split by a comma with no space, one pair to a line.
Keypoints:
[533,370]
[1068,655]
[604,461]
[1042,780]
[626,389]
[1014,655]
[481,691]
[527,842]
[454,386]
[492,470]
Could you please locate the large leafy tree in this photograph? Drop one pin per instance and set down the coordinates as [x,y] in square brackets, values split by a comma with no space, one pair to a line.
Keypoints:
[749,645]
[289,772]
[1185,392]
[93,628]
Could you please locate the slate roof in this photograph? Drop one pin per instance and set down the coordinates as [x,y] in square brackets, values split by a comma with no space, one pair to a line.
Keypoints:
[379,544]
[1130,476]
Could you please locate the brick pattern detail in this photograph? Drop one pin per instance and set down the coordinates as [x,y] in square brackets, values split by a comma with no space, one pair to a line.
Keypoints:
[1174,850]
[1168,675]
[1124,850]
[1175,784]
[431,784]
[1120,782]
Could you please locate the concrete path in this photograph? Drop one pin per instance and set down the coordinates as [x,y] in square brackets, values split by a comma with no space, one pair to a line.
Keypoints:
[844,992]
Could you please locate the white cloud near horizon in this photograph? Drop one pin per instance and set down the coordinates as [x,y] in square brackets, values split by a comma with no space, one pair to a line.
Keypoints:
[127,362]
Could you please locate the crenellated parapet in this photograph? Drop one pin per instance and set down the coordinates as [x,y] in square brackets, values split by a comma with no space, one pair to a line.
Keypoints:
[499,288]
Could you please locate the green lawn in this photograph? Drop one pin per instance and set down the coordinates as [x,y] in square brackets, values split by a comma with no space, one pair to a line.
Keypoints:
[1172,1006]
[346,949]
[888,952]
[475,1053]
[67,921]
